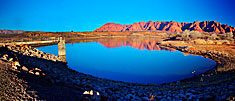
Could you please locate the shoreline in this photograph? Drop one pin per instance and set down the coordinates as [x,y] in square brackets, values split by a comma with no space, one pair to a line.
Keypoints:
[145,84]
[111,89]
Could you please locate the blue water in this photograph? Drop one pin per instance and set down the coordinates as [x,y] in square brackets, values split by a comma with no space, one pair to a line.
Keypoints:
[130,64]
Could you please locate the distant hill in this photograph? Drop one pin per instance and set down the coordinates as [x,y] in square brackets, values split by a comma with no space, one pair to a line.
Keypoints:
[5,31]
[204,26]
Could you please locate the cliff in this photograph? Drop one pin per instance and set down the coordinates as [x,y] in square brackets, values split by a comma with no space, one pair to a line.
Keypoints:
[204,26]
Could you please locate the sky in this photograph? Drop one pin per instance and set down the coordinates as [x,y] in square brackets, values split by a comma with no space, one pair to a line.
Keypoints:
[87,15]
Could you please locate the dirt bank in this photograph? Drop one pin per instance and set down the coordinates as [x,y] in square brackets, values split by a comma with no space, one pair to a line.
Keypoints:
[45,77]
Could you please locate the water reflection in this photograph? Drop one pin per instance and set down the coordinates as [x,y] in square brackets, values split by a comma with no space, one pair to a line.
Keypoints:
[132,60]
[149,44]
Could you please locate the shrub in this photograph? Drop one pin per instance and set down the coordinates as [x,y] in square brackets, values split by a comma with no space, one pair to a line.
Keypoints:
[227,36]
[213,36]
[185,35]
[195,35]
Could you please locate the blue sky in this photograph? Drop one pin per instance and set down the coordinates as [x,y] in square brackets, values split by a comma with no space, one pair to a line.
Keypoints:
[87,15]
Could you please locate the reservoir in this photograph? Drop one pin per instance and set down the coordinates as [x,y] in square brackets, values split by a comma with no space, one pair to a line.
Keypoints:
[132,61]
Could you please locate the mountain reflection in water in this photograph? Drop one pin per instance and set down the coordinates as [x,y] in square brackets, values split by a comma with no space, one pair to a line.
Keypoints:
[144,44]
[132,60]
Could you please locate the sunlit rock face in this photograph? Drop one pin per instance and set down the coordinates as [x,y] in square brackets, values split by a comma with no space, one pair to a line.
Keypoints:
[204,26]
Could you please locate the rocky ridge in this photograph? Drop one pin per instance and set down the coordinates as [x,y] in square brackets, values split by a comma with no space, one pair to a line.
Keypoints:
[5,31]
[172,26]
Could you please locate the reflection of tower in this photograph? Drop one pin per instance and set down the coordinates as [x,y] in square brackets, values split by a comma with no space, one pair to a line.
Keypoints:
[61,49]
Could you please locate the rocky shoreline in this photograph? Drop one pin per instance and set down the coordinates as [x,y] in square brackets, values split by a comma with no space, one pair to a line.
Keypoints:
[42,70]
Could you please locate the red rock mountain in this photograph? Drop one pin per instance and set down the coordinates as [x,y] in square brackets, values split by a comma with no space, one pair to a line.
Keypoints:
[204,26]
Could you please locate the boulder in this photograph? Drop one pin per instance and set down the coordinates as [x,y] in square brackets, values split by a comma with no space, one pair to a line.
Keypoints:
[25,68]
[4,57]
[37,73]
[11,59]
[15,65]
[38,69]
[31,72]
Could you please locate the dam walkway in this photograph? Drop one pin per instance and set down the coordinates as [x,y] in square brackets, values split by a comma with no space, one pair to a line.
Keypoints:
[60,41]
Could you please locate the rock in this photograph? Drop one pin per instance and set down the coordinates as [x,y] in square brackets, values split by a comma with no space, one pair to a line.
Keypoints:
[31,72]
[11,59]
[208,97]
[165,92]
[109,91]
[145,98]
[223,97]
[76,81]
[4,57]
[37,73]
[50,80]
[15,65]
[25,68]
[188,93]
[38,69]
[182,95]
[159,93]
[124,91]
[231,87]
[133,92]
[168,98]
[128,96]
[163,99]
[159,97]
[191,97]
